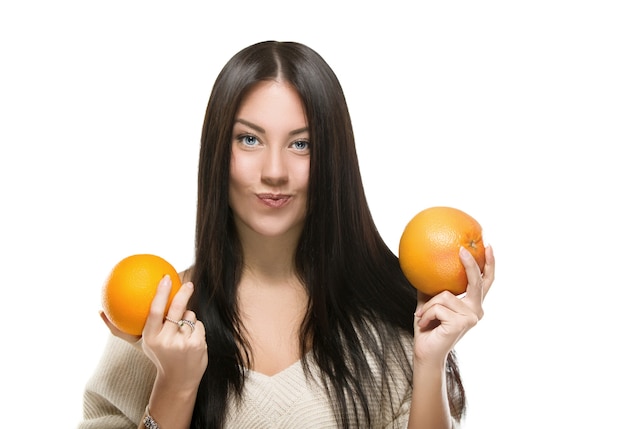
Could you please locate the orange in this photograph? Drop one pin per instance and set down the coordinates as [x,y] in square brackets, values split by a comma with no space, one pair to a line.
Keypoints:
[130,287]
[429,249]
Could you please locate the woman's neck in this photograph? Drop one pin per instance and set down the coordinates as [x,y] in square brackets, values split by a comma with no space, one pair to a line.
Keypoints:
[269,260]
[272,301]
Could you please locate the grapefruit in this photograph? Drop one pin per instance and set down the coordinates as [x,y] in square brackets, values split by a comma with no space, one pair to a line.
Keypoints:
[128,291]
[429,249]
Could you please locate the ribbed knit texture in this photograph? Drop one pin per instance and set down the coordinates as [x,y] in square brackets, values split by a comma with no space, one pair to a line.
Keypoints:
[116,396]
[117,393]
[284,400]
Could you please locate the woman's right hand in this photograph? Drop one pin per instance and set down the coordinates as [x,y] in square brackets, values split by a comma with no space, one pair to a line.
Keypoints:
[170,347]
[179,351]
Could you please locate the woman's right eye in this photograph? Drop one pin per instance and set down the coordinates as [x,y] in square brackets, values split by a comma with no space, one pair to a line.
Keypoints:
[248,140]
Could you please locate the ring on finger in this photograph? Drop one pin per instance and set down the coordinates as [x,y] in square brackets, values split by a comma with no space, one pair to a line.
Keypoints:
[174,321]
[182,322]
[189,323]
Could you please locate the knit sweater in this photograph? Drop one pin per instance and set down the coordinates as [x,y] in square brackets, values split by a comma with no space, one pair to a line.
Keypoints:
[116,395]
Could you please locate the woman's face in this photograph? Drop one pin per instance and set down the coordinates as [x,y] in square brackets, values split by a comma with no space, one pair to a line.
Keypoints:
[269,168]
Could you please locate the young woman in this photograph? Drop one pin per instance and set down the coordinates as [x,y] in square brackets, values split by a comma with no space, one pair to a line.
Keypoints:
[297,314]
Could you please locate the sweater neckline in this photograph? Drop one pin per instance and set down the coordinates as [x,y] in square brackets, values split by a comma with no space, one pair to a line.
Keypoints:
[296,365]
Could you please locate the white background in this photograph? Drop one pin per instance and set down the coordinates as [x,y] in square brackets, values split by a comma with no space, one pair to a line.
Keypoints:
[512,111]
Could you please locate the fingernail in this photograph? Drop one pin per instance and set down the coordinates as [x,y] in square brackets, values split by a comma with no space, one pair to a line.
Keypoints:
[189,285]
[464,253]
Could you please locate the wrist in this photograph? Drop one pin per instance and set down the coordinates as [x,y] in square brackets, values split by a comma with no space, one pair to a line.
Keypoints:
[148,421]
[430,365]
[173,390]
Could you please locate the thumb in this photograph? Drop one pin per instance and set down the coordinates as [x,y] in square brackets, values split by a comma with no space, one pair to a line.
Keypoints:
[117,332]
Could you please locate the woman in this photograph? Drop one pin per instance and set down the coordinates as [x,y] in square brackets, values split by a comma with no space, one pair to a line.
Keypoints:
[299,315]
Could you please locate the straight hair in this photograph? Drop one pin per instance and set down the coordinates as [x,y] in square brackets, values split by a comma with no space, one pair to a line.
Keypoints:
[359,302]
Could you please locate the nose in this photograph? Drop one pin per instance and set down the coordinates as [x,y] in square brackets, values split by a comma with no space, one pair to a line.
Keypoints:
[274,170]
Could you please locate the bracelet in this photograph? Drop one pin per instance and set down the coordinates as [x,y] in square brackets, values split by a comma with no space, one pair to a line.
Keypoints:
[148,421]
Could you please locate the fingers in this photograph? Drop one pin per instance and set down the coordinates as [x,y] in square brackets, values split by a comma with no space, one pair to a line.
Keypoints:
[177,308]
[489,270]
[157,307]
[474,276]
[445,308]
[478,284]
[186,323]
[438,313]
[447,317]
[180,301]
[445,299]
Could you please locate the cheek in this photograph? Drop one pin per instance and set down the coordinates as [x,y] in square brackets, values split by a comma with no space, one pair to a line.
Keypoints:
[235,183]
[239,171]
[302,172]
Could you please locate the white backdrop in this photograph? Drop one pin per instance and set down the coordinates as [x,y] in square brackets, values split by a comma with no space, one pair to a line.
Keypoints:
[511,111]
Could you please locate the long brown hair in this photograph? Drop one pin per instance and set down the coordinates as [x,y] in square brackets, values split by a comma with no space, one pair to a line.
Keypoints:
[358,295]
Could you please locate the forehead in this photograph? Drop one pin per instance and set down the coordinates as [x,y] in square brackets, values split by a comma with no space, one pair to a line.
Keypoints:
[272,100]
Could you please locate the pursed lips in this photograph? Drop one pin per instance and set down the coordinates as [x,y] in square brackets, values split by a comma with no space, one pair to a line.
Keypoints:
[274,200]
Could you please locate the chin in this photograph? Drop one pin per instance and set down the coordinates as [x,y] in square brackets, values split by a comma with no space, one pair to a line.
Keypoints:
[279,231]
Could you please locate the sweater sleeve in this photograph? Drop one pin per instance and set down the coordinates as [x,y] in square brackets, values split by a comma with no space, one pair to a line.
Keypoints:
[116,395]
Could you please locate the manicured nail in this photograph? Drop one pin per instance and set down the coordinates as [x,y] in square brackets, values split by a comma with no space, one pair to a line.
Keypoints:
[464,253]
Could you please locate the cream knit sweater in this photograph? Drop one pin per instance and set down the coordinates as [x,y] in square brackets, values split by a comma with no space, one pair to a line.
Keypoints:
[116,396]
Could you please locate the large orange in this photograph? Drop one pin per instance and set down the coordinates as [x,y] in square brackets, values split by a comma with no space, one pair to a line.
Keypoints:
[130,287]
[429,249]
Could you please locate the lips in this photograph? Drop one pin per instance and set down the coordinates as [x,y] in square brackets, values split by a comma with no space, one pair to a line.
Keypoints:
[274,200]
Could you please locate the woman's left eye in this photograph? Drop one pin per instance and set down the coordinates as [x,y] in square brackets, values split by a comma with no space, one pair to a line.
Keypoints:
[301,145]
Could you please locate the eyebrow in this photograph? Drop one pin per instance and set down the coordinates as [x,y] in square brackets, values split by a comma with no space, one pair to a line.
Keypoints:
[262,130]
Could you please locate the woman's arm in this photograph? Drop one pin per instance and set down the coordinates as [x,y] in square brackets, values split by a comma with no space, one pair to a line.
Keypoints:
[179,353]
[162,368]
[439,324]
[429,403]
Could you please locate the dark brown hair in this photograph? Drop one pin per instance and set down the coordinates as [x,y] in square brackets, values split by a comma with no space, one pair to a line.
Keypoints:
[358,295]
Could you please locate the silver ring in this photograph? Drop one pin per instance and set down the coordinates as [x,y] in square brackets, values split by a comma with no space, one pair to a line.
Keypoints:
[191,324]
[179,323]
[182,322]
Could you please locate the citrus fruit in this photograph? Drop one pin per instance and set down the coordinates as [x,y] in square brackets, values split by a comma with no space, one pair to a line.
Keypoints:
[429,249]
[130,287]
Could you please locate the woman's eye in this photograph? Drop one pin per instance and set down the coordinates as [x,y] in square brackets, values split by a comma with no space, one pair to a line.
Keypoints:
[301,145]
[249,140]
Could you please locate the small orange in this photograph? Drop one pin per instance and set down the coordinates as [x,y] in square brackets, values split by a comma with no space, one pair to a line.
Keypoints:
[130,287]
[429,249]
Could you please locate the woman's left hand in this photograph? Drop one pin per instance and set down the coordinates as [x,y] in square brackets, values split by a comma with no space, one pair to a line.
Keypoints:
[443,320]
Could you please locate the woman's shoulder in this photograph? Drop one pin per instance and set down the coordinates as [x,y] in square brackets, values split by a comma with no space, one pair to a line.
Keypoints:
[185,276]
